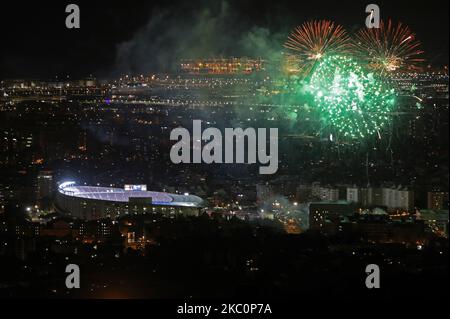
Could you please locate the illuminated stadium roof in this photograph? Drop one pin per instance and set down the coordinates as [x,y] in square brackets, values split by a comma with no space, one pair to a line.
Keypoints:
[121,195]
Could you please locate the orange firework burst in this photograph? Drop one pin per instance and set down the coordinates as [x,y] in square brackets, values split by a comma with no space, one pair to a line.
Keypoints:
[314,40]
[388,48]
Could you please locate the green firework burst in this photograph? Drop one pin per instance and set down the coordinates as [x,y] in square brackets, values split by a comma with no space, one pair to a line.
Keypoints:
[350,100]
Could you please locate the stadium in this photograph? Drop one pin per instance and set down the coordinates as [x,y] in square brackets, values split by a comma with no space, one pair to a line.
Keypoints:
[94,202]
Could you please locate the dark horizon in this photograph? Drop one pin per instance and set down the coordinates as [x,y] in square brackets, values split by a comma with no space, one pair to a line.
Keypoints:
[150,37]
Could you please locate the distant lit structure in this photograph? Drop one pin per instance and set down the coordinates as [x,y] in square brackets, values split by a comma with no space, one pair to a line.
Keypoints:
[436,220]
[291,64]
[44,185]
[327,194]
[222,66]
[353,194]
[324,216]
[391,198]
[437,200]
[92,202]
[397,198]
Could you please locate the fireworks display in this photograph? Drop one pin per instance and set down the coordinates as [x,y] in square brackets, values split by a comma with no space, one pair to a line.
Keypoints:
[388,48]
[351,101]
[345,74]
[314,40]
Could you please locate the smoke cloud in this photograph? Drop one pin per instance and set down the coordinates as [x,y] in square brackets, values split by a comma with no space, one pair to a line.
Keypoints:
[216,30]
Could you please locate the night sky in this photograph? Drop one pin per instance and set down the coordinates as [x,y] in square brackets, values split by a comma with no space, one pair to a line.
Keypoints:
[145,36]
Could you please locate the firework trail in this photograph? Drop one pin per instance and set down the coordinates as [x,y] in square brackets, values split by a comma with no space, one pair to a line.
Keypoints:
[388,48]
[313,41]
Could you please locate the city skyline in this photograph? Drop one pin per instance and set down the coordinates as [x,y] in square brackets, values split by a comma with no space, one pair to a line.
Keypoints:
[198,150]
